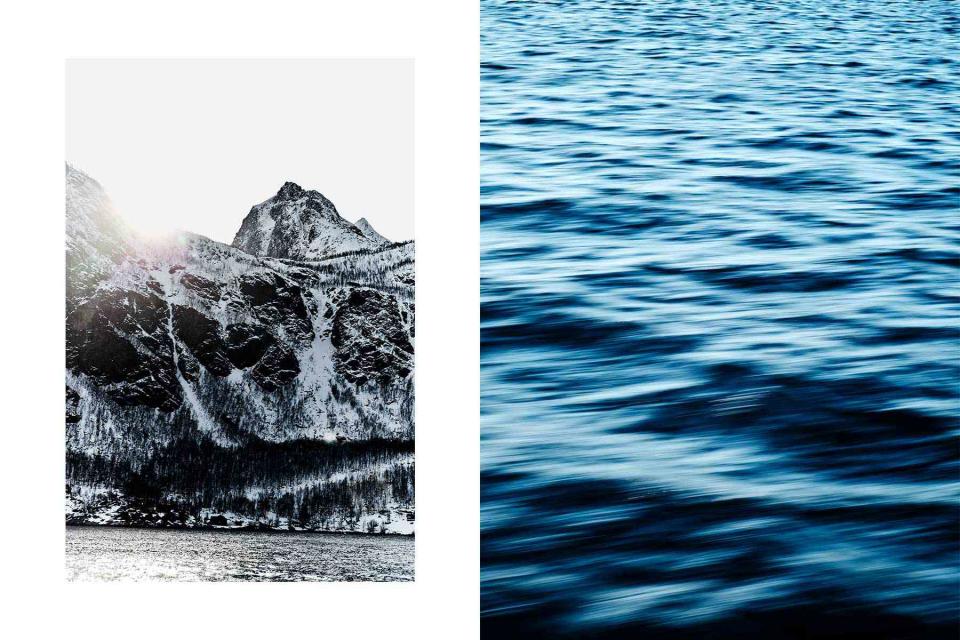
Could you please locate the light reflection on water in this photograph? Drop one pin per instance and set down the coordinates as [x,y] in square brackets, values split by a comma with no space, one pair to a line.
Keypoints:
[100,554]
[719,324]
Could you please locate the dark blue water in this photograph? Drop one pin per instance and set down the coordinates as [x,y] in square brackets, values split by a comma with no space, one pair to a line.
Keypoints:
[720,307]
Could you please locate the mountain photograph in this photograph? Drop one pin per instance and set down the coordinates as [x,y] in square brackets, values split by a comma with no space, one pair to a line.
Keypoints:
[222,397]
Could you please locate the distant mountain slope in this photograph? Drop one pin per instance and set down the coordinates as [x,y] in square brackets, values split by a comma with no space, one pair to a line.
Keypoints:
[367,229]
[184,354]
[301,225]
[97,240]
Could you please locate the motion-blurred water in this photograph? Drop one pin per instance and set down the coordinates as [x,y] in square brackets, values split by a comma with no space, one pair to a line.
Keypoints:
[720,300]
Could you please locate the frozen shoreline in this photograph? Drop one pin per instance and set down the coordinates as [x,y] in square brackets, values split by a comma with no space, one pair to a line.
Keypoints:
[236,529]
[120,512]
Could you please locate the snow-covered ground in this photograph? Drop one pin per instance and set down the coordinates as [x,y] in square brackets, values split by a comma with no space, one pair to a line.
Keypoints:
[109,508]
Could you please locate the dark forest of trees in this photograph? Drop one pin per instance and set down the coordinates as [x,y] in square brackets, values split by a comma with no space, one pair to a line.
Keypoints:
[191,475]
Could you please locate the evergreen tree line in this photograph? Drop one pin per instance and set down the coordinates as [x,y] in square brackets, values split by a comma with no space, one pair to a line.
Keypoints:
[330,505]
[344,254]
[203,474]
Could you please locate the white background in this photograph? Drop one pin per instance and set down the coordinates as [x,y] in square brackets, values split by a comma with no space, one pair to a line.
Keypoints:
[442,38]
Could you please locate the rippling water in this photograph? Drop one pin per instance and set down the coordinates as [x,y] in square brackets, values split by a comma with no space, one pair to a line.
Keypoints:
[101,554]
[720,300]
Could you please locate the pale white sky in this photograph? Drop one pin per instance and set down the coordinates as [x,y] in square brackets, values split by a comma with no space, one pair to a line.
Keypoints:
[193,144]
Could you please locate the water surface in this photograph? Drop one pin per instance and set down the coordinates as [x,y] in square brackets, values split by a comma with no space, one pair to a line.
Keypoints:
[96,554]
[720,298]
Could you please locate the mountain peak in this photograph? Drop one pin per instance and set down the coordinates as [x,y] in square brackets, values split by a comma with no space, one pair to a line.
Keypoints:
[368,231]
[290,191]
[301,225]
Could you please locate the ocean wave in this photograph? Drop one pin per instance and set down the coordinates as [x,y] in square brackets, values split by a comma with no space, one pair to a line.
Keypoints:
[719,319]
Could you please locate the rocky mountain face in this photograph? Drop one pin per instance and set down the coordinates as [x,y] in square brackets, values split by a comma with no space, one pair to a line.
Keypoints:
[270,381]
[300,225]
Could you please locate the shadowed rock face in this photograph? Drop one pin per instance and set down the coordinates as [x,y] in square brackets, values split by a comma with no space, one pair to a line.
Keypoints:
[277,367]
[276,301]
[371,343]
[246,344]
[120,339]
[202,335]
[201,286]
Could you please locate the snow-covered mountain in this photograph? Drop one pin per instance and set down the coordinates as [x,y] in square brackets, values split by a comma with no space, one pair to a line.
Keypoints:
[97,239]
[367,229]
[186,356]
[300,225]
